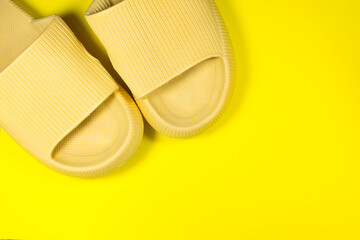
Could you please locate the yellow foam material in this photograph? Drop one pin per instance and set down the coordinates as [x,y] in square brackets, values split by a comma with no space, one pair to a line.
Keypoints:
[176,50]
[49,91]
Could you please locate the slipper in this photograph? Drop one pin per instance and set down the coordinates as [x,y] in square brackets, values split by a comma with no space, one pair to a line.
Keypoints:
[58,102]
[175,56]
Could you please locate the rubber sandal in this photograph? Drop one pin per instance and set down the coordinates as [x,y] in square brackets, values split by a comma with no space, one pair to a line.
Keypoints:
[58,102]
[175,56]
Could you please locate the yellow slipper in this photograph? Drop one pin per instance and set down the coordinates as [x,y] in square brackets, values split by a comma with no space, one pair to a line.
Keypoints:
[175,56]
[58,102]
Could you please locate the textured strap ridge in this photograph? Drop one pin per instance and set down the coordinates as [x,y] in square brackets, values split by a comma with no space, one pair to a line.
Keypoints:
[152,41]
[50,89]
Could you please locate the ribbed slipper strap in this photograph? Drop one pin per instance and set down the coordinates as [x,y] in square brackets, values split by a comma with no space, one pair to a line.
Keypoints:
[50,89]
[152,41]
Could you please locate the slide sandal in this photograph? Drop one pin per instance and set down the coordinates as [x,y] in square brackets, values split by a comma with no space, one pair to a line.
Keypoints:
[58,102]
[175,56]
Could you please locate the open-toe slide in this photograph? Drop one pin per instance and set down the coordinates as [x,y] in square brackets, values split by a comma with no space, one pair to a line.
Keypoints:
[58,102]
[175,56]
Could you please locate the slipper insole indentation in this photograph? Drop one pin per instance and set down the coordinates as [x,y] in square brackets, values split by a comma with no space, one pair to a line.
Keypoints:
[101,136]
[191,97]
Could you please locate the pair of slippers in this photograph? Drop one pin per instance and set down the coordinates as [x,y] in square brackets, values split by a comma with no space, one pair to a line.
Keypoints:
[64,108]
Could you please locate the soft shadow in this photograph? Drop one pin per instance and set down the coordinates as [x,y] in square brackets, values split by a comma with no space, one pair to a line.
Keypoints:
[28,9]
[82,32]
[232,22]
[141,153]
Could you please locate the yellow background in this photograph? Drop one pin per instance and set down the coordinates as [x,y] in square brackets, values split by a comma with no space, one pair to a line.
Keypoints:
[282,164]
